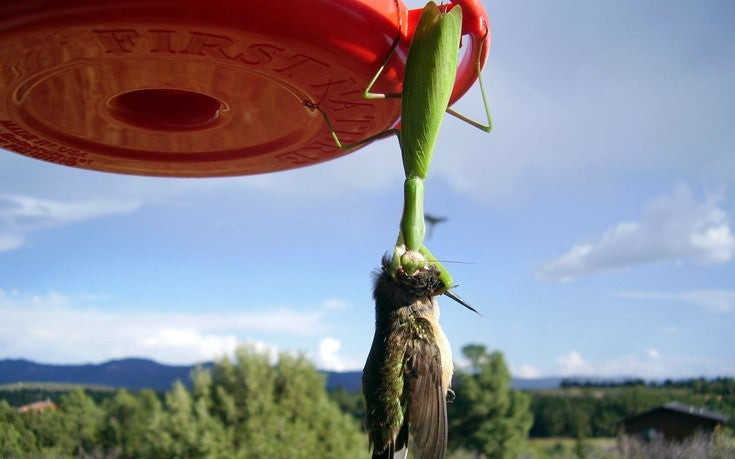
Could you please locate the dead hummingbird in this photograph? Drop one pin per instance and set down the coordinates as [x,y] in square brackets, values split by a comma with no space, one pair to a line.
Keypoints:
[409,369]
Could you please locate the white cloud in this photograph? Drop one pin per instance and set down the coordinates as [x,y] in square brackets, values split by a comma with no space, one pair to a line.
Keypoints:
[28,212]
[22,214]
[53,328]
[526,371]
[573,364]
[327,354]
[329,358]
[10,242]
[672,229]
[192,342]
[715,301]
[651,363]
[334,304]
[715,243]
[263,348]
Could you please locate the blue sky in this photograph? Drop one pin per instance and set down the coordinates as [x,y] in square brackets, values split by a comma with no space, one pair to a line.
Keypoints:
[596,220]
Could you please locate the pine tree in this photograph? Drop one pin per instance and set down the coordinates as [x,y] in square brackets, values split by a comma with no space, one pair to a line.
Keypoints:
[75,428]
[189,429]
[132,422]
[16,440]
[487,417]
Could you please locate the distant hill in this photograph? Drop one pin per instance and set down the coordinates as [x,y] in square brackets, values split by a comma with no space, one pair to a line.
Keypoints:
[135,373]
[536,383]
[351,381]
[128,373]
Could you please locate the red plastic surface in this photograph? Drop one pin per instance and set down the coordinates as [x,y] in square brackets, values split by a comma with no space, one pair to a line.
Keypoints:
[194,88]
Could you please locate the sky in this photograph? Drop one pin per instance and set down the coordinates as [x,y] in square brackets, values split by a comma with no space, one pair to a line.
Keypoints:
[594,225]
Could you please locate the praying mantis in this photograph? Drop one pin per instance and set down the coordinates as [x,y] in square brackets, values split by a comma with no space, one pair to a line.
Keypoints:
[409,369]
[429,75]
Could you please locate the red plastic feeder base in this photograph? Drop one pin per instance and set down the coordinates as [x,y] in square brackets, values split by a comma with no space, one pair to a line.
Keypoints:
[201,88]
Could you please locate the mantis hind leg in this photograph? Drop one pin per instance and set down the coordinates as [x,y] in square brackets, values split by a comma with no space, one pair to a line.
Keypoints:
[489,126]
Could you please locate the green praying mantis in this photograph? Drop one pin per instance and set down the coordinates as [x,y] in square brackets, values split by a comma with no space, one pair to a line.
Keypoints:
[428,81]
[408,372]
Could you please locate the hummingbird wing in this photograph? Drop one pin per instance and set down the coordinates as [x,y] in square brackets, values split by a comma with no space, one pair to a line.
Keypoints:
[427,405]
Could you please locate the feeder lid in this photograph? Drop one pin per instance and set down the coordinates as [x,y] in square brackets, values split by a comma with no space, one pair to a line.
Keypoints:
[188,88]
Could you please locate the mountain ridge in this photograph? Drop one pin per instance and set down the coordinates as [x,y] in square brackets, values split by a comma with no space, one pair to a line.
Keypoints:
[141,373]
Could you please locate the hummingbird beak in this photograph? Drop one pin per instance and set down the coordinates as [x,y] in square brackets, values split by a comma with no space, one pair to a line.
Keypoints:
[461,301]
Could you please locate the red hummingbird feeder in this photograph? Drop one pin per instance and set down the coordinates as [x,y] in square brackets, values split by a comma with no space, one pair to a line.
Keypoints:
[191,88]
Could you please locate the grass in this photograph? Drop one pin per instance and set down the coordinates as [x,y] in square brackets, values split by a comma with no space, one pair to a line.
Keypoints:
[699,446]
[564,447]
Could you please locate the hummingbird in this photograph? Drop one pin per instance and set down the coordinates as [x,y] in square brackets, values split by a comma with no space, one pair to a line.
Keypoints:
[407,376]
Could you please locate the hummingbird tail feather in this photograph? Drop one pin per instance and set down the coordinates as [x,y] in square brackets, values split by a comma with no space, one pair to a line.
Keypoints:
[387,454]
[401,445]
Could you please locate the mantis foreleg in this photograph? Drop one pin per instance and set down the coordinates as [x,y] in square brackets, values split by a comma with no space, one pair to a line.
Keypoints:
[412,221]
[349,146]
[411,236]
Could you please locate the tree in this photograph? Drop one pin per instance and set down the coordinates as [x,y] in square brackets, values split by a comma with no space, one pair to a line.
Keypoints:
[73,429]
[15,439]
[349,402]
[280,410]
[487,416]
[132,423]
[190,429]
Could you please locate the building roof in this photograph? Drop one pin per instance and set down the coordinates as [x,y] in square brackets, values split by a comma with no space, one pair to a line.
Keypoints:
[37,407]
[674,420]
[693,412]
[696,411]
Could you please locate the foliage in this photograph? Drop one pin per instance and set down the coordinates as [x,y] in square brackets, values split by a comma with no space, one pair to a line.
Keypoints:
[132,423]
[349,402]
[590,410]
[487,416]
[80,420]
[16,438]
[241,408]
